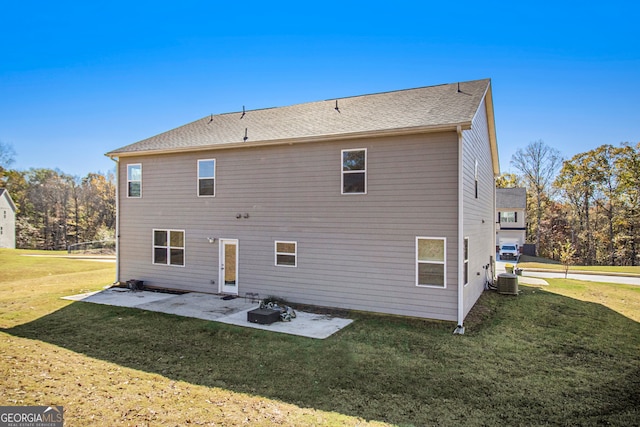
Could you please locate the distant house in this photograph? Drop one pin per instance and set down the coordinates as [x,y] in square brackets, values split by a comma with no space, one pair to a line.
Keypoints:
[7,220]
[378,202]
[511,211]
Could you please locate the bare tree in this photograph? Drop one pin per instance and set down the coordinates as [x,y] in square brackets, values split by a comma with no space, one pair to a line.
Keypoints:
[538,163]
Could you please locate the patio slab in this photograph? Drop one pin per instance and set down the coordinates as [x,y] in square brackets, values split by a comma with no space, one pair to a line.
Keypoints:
[120,297]
[200,306]
[214,308]
[305,324]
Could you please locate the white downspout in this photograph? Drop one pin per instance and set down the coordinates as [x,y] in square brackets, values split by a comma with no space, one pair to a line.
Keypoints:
[117,161]
[460,328]
[492,261]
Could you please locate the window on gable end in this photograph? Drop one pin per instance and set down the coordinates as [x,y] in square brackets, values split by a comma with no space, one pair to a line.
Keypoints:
[466,260]
[475,174]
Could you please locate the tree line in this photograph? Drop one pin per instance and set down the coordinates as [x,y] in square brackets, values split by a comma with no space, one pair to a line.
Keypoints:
[56,210]
[591,201]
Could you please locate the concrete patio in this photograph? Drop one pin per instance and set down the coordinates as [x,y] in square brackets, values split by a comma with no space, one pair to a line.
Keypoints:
[214,308]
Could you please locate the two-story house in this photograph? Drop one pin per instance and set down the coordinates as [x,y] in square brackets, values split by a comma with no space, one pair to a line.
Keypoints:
[511,216]
[7,220]
[380,202]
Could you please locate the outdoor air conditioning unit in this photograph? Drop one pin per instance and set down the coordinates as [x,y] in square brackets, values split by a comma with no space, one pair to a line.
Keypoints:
[507,284]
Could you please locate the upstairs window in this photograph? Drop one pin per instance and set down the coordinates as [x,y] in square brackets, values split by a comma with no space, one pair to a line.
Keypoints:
[168,247]
[286,254]
[509,217]
[430,262]
[207,178]
[354,171]
[134,180]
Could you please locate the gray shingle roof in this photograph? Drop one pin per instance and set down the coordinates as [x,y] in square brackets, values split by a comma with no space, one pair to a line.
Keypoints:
[11,203]
[420,108]
[515,198]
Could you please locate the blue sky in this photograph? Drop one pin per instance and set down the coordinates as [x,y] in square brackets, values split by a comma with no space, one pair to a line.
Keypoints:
[80,78]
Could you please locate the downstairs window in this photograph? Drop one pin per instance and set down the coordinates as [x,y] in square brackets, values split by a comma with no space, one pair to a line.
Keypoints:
[286,254]
[168,247]
[431,262]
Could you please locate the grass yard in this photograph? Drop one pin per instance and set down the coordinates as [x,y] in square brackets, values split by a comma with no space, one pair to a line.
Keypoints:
[564,354]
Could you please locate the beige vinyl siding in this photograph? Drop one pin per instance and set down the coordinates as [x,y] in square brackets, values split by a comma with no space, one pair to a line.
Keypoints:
[479,213]
[352,252]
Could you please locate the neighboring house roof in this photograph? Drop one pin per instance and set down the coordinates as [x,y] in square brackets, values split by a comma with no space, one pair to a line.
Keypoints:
[515,198]
[426,109]
[4,192]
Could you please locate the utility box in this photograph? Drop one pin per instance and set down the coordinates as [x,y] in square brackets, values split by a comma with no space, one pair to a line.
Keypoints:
[507,284]
[263,316]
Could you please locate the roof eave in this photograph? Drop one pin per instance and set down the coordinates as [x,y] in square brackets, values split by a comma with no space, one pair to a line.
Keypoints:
[288,141]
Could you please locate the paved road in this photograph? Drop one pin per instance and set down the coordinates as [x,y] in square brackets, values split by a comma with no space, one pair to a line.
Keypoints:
[587,277]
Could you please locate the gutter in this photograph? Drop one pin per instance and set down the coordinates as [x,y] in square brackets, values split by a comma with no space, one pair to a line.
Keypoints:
[117,161]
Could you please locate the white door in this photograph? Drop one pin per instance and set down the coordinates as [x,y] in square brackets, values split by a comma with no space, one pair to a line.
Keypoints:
[229,266]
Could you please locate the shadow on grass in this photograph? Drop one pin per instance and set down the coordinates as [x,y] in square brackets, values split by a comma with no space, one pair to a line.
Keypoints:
[539,358]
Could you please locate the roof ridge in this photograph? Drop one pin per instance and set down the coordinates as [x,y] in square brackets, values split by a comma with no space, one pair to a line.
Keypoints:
[347,97]
[408,89]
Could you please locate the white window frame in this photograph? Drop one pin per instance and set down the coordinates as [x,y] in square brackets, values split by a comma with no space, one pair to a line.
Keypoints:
[168,247]
[129,181]
[506,219]
[343,172]
[207,177]
[465,254]
[443,262]
[295,253]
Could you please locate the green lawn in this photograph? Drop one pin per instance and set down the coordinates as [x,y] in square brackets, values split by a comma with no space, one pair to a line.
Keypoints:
[564,354]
